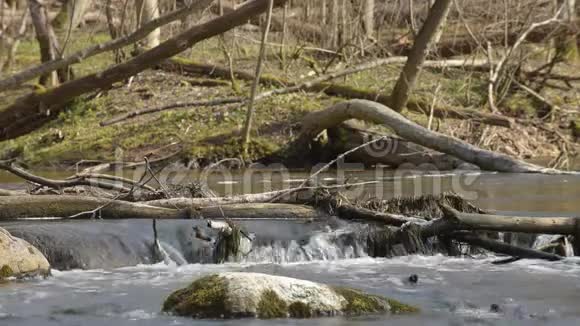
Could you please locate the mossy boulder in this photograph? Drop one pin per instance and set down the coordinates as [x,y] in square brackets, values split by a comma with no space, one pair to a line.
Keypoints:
[255,295]
[19,258]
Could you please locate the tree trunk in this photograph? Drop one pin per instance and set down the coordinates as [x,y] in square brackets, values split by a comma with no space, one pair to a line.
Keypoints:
[71,15]
[46,39]
[333,37]
[455,221]
[147,10]
[32,111]
[410,73]
[567,45]
[256,82]
[316,122]
[369,18]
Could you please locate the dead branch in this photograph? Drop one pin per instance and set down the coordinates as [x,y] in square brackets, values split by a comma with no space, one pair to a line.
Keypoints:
[97,176]
[502,247]
[61,184]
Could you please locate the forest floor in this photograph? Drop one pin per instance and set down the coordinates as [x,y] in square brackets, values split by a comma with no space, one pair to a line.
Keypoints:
[202,135]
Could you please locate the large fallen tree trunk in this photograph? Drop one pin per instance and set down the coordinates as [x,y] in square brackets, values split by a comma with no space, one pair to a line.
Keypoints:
[32,111]
[65,206]
[77,207]
[455,221]
[316,122]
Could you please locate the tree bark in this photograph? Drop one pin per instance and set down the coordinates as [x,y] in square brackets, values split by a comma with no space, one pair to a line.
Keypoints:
[46,39]
[259,211]
[369,18]
[410,73]
[256,82]
[454,221]
[32,111]
[63,206]
[148,10]
[316,122]
[567,45]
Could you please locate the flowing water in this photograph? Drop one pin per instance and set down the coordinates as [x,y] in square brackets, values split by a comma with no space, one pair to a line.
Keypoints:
[450,291]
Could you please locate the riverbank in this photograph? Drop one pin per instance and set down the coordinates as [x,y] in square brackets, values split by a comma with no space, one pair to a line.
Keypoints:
[196,137]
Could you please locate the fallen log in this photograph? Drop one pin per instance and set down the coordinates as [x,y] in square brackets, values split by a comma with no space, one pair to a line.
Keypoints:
[350,212]
[34,110]
[454,221]
[298,195]
[64,206]
[197,203]
[503,248]
[316,122]
[259,211]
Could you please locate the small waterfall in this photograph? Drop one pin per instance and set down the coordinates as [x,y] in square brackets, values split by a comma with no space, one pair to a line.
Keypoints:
[561,245]
[568,248]
[544,240]
[170,254]
[323,245]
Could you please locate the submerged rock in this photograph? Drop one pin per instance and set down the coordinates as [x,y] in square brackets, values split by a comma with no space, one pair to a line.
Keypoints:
[19,258]
[239,295]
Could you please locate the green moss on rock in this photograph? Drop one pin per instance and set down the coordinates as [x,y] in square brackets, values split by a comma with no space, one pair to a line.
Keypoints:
[358,303]
[6,272]
[299,309]
[271,306]
[204,298]
[398,307]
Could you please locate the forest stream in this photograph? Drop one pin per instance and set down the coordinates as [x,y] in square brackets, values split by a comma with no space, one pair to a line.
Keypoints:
[450,290]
